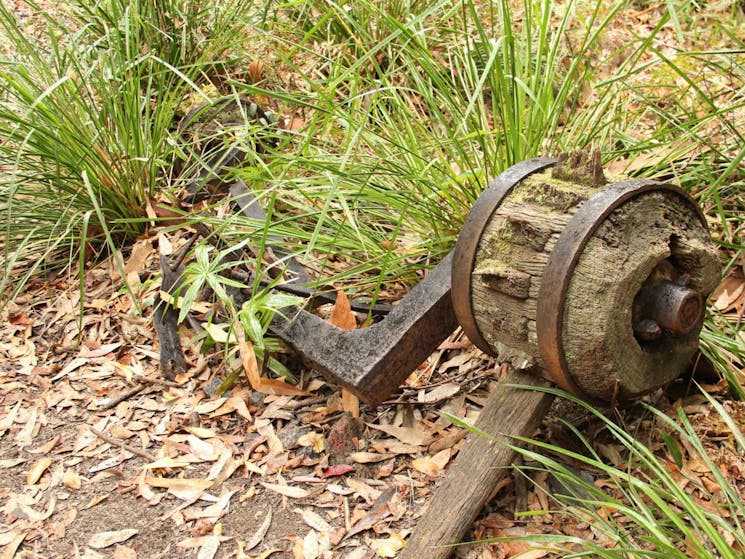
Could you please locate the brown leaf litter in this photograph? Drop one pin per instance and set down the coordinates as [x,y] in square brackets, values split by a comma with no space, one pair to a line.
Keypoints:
[102,458]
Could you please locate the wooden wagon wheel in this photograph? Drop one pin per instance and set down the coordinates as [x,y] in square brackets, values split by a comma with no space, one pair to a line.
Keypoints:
[599,289]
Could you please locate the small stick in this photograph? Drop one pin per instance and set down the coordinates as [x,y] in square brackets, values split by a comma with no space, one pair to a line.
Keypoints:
[123,396]
[254,444]
[306,402]
[151,380]
[139,452]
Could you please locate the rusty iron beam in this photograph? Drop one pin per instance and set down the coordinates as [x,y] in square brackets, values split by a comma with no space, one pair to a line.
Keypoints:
[373,362]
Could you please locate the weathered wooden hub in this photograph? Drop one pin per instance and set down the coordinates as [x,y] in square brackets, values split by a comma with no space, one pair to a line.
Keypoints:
[600,286]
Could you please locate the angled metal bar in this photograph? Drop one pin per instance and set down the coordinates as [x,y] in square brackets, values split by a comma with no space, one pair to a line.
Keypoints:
[373,362]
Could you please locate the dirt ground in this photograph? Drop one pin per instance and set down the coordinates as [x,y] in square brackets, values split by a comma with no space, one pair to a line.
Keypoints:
[94,440]
[102,457]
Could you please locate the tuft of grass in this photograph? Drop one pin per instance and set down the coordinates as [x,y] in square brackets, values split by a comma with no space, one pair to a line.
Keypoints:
[407,115]
[654,506]
[86,124]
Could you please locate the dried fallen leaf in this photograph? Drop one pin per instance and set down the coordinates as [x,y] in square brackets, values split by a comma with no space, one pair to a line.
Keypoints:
[47,447]
[208,407]
[11,463]
[314,545]
[191,543]
[460,359]
[209,548]
[367,492]
[202,449]
[165,247]
[258,536]
[263,555]
[103,540]
[220,333]
[259,383]
[314,520]
[350,403]
[224,467]
[12,546]
[316,441]
[183,488]
[25,436]
[141,250]
[407,435]
[20,506]
[94,501]
[71,479]
[729,291]
[215,510]
[287,490]
[388,547]
[234,404]
[439,393]
[202,432]
[37,470]
[338,470]
[256,71]
[99,351]
[10,418]
[167,462]
[378,512]
[342,315]
[122,552]
[369,457]
[432,464]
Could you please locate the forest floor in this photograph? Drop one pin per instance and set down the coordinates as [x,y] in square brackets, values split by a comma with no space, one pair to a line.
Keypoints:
[101,457]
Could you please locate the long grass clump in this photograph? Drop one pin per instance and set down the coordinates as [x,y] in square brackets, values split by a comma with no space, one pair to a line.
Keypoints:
[86,123]
[678,501]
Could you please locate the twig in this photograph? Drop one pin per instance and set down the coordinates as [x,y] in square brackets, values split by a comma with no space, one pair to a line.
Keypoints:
[405,398]
[151,380]
[146,455]
[306,402]
[254,444]
[123,396]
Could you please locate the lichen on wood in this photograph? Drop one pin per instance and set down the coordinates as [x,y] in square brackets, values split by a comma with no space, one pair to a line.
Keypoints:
[512,255]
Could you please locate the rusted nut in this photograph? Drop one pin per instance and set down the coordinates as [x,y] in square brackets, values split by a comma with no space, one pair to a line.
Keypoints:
[647,330]
[677,309]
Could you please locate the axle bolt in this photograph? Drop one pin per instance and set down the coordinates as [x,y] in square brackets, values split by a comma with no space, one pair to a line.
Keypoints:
[671,307]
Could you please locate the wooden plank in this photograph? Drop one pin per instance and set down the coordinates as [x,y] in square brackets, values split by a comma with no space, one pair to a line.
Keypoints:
[482,462]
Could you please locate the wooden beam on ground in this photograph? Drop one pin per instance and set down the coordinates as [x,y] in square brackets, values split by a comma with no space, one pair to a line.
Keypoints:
[482,462]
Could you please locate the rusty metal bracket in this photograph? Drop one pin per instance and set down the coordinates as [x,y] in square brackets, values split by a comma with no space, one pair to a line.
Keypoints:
[373,362]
